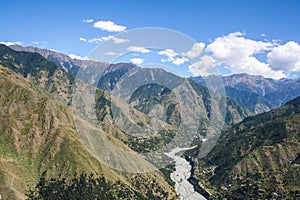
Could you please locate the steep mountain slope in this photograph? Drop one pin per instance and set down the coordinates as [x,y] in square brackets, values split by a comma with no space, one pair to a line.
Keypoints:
[258,157]
[65,62]
[163,103]
[38,134]
[257,93]
[42,72]
[145,100]
[90,70]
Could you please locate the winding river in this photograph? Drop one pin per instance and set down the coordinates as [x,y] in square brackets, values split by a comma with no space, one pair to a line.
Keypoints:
[180,176]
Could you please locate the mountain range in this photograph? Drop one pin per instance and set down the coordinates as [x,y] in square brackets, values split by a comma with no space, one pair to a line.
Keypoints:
[257,93]
[255,159]
[43,142]
[38,135]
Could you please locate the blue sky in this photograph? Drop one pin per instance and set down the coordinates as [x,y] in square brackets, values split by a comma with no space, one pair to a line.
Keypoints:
[59,25]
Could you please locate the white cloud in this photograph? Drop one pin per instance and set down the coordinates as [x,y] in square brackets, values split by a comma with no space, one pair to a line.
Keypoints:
[170,53]
[82,39]
[9,43]
[285,57]
[175,61]
[88,20]
[138,49]
[109,26]
[235,47]
[73,56]
[195,51]
[97,40]
[137,61]
[201,67]
[172,56]
[115,39]
[238,53]
[179,61]
[255,67]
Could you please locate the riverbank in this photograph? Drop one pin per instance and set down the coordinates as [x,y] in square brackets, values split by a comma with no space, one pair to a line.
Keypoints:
[181,175]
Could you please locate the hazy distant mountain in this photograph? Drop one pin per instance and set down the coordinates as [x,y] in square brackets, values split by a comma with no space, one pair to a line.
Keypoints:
[256,159]
[257,93]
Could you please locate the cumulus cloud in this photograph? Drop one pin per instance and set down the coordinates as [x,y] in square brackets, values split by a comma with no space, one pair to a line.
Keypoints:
[238,53]
[285,57]
[172,57]
[202,66]
[138,49]
[88,20]
[195,51]
[9,43]
[179,61]
[170,53]
[255,67]
[109,26]
[137,61]
[235,47]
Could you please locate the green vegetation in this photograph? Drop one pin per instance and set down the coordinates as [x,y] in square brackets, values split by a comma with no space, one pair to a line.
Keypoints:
[167,173]
[82,187]
[37,134]
[148,96]
[87,187]
[92,187]
[153,143]
[254,159]
[42,72]
[26,63]
[102,105]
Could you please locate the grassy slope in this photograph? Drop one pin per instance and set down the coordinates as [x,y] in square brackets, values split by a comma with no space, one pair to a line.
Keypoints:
[256,158]
[38,134]
[59,84]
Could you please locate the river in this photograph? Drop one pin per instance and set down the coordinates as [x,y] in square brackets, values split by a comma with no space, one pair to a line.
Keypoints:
[181,174]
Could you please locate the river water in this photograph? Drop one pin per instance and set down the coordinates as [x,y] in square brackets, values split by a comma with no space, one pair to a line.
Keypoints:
[180,176]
